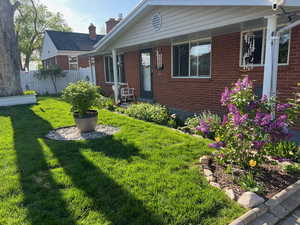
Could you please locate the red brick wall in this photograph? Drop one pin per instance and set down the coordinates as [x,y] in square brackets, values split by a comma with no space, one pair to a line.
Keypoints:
[195,95]
[100,77]
[63,61]
[83,61]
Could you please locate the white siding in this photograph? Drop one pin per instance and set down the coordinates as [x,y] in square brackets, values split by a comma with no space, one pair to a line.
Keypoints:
[182,20]
[48,50]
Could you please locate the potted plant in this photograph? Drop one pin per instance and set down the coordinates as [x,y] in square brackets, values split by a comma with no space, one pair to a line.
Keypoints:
[83,96]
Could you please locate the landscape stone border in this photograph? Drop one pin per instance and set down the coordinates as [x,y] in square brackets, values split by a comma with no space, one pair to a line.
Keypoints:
[269,212]
[273,210]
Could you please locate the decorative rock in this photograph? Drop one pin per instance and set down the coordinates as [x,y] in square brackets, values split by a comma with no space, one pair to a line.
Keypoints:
[211,179]
[72,133]
[205,160]
[230,193]
[207,172]
[250,200]
[215,185]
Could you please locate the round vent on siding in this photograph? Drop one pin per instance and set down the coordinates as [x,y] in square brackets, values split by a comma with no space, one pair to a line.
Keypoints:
[156,21]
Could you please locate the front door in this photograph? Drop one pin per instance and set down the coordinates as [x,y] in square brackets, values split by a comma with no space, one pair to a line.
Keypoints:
[146,74]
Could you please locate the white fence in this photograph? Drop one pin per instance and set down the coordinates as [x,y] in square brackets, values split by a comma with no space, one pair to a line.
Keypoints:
[30,82]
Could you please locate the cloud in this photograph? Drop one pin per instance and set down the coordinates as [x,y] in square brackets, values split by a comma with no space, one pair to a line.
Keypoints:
[78,21]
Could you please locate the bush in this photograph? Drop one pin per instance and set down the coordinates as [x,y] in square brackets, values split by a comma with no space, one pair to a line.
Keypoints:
[30,92]
[82,96]
[107,103]
[249,125]
[283,150]
[205,124]
[149,112]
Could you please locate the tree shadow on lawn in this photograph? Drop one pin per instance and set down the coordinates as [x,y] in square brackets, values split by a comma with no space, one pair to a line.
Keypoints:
[42,196]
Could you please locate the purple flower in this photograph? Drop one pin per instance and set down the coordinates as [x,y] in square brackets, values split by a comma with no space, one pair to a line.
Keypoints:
[258,144]
[238,119]
[232,108]
[217,145]
[203,127]
[245,82]
[244,118]
[264,99]
[252,105]
[266,120]
[282,107]
[225,97]
[225,120]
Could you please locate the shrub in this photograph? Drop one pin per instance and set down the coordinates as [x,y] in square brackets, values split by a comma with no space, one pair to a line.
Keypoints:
[205,124]
[107,103]
[82,96]
[149,112]
[249,125]
[283,150]
[30,92]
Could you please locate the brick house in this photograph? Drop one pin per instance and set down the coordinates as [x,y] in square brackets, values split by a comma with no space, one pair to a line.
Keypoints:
[65,48]
[182,53]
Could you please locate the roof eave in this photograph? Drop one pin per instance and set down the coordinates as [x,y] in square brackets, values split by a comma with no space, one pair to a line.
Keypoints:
[145,3]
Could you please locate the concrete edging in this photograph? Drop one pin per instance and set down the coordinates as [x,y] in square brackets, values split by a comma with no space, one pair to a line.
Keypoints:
[272,207]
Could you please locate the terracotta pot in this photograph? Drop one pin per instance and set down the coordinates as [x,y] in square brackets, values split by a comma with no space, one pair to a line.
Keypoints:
[88,122]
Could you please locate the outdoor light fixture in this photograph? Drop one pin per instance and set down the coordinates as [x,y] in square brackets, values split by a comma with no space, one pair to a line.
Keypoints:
[159,59]
[276,4]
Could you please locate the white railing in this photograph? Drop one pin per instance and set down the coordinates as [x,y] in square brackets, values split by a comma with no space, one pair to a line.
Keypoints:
[30,82]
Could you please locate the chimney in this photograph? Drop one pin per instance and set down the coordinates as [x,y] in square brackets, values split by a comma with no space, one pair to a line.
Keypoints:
[92,32]
[112,22]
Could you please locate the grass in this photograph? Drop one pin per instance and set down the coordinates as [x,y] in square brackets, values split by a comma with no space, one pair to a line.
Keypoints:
[143,175]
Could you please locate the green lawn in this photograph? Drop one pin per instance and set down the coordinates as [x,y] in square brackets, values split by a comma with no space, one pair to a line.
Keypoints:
[142,175]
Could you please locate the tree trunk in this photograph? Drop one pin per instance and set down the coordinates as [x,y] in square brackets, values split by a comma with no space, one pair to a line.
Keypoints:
[9,54]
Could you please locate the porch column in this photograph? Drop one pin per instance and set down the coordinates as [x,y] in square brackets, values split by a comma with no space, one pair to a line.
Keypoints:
[115,70]
[269,60]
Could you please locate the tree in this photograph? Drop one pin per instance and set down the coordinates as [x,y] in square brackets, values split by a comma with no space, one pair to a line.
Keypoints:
[32,20]
[53,73]
[9,54]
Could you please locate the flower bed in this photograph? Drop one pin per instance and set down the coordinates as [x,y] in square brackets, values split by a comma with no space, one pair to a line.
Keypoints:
[253,151]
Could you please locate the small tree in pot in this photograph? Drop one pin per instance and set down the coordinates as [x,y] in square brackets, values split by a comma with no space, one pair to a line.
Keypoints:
[83,96]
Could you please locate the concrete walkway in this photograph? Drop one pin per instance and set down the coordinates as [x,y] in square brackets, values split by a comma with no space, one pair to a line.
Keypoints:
[292,219]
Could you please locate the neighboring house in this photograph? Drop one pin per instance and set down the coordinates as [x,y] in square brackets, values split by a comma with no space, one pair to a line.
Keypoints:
[64,48]
[182,53]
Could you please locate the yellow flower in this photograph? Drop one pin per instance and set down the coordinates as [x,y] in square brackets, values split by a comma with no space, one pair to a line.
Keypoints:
[217,139]
[252,163]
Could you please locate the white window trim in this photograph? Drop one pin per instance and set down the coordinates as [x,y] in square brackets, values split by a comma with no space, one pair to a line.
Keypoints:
[105,77]
[73,62]
[264,29]
[189,42]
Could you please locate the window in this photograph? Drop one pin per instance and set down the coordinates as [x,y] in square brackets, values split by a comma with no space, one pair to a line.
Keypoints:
[73,63]
[257,56]
[109,69]
[248,55]
[284,45]
[192,59]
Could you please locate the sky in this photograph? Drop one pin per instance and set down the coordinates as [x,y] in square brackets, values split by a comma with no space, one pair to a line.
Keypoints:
[80,13]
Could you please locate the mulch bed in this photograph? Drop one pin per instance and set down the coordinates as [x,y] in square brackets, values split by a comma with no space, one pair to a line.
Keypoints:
[271,177]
